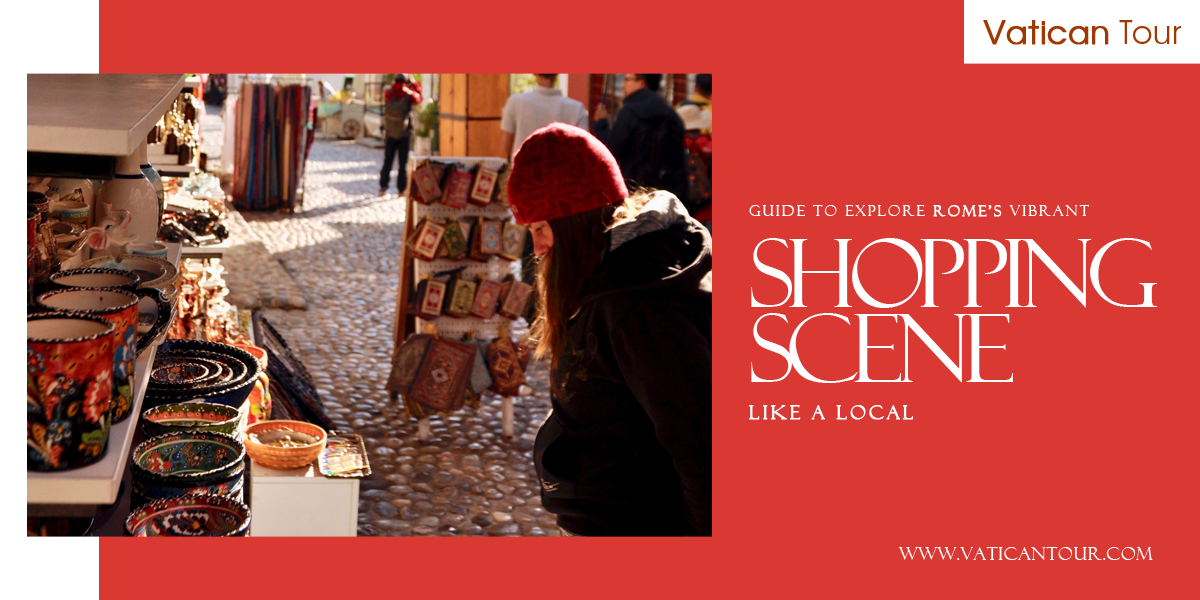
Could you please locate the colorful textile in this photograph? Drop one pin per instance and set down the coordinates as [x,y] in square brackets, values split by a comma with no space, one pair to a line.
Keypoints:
[505,367]
[442,380]
[273,137]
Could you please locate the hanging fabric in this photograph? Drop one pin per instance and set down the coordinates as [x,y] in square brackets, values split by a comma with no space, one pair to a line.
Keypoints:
[273,132]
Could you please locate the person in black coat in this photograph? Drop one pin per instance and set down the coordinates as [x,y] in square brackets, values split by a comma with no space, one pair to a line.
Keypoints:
[646,137]
[625,313]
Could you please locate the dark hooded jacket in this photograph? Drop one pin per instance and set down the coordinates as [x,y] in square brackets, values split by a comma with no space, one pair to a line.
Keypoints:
[627,449]
[646,138]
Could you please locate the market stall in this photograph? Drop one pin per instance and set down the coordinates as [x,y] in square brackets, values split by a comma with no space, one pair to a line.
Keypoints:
[154,406]
[80,128]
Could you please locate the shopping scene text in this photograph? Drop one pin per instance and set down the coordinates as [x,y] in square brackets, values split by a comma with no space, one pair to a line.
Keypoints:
[1014,255]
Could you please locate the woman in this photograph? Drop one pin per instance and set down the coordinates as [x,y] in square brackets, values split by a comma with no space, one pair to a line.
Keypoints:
[625,313]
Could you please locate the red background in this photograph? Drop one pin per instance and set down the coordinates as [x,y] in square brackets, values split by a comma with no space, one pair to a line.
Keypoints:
[836,103]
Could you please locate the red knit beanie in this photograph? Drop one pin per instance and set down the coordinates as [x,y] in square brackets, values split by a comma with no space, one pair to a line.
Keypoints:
[561,170]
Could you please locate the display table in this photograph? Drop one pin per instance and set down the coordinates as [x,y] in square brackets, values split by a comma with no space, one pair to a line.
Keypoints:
[95,114]
[301,502]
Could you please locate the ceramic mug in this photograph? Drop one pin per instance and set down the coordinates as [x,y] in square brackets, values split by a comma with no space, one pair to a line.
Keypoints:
[121,309]
[68,389]
[155,272]
[71,212]
[96,278]
[155,249]
[74,190]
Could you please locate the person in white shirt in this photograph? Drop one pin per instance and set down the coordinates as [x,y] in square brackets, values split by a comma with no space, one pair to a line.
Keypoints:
[531,111]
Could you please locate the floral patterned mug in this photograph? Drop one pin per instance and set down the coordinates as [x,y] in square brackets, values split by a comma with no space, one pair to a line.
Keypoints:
[119,307]
[68,389]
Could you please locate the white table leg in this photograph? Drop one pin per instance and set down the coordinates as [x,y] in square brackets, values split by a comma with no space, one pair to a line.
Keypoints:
[507,418]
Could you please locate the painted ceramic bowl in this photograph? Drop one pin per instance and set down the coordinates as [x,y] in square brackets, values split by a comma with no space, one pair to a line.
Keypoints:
[230,392]
[180,373]
[230,486]
[154,272]
[189,516]
[192,456]
[240,364]
[191,370]
[274,457]
[196,416]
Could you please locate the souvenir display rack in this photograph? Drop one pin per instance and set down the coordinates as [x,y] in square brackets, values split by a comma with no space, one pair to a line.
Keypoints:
[413,270]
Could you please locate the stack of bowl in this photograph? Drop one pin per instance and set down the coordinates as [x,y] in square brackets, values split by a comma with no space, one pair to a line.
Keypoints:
[185,463]
[196,370]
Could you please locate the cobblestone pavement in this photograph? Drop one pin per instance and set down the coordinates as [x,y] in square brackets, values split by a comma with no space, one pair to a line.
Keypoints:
[342,252]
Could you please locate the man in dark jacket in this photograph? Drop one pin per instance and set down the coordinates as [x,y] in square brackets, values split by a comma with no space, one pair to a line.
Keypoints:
[646,138]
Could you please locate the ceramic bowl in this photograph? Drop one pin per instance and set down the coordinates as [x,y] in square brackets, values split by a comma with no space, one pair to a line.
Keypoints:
[240,363]
[274,457]
[230,369]
[230,486]
[191,456]
[232,392]
[189,516]
[179,371]
[155,272]
[196,416]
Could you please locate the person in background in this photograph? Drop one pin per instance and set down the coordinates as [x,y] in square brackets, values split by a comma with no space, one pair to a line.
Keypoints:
[525,113]
[699,161]
[625,312]
[702,97]
[398,103]
[646,137]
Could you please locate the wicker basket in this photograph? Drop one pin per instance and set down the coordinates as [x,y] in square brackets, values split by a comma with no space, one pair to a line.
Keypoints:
[274,457]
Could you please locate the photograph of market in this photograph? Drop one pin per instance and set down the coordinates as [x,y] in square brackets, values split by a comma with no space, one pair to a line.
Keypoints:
[401,304]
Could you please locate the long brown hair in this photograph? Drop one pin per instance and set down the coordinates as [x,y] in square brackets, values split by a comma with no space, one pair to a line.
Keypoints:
[580,244]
